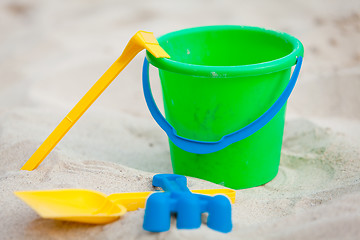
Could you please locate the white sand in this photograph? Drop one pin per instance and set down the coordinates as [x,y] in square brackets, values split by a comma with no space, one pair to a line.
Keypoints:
[51,52]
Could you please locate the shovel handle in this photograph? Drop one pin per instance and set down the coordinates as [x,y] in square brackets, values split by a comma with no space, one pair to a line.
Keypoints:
[171,182]
[141,40]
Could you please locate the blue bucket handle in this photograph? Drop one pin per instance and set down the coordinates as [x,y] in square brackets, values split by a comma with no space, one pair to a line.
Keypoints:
[203,147]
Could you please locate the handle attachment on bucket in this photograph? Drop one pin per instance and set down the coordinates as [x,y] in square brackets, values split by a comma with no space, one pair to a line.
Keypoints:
[203,147]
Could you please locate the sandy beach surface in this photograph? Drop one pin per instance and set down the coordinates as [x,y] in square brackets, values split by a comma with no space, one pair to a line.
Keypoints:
[51,52]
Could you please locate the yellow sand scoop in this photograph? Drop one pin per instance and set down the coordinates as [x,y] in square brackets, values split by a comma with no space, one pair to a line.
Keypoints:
[141,40]
[87,206]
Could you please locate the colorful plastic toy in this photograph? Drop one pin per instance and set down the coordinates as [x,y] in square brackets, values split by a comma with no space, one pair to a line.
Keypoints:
[87,206]
[225,90]
[141,40]
[187,206]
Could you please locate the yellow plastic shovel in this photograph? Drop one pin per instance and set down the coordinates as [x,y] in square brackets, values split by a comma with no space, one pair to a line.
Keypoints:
[141,40]
[86,206]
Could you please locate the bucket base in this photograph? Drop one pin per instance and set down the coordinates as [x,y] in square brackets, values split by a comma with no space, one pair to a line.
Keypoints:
[248,163]
[235,186]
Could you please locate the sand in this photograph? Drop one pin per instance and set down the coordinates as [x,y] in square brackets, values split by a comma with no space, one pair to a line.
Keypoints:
[51,52]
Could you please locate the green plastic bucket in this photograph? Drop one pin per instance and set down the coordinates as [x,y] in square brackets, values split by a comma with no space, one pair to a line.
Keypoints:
[218,80]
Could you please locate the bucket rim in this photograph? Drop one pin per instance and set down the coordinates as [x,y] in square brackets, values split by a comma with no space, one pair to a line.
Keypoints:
[275,65]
